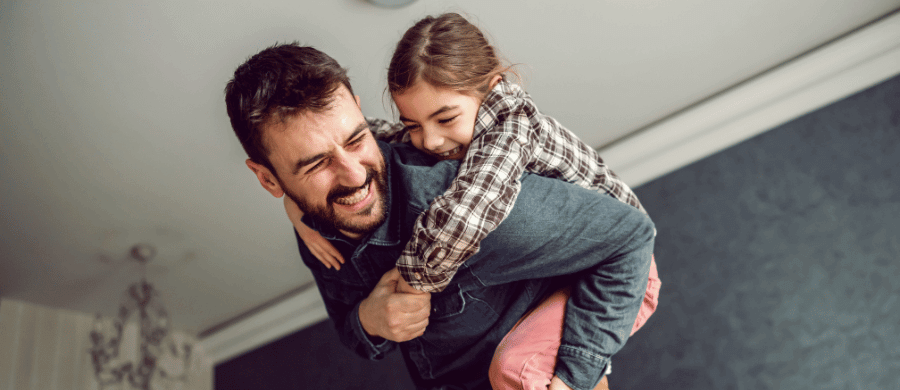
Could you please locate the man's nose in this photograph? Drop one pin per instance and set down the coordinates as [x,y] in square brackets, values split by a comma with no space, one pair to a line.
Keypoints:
[352,172]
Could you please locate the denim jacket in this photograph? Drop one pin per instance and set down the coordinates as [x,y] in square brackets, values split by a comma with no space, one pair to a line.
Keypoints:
[557,233]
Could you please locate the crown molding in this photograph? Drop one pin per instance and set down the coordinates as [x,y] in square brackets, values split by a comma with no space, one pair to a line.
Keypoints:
[831,72]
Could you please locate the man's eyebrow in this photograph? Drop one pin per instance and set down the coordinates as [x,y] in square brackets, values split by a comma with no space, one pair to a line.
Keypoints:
[438,112]
[363,126]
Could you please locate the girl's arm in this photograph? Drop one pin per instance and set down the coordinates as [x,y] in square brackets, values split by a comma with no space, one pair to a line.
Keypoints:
[318,245]
[477,201]
[511,136]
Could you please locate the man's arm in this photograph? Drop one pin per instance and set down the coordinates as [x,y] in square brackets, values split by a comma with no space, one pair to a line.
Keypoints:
[350,303]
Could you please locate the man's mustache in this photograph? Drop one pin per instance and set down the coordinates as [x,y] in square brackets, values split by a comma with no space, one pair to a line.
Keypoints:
[342,191]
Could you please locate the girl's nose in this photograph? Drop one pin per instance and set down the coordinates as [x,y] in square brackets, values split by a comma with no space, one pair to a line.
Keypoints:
[432,140]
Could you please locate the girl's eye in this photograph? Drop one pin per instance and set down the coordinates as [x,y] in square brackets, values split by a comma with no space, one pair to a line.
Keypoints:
[448,120]
[412,128]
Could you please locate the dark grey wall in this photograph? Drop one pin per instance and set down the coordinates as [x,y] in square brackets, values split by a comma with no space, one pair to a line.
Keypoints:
[779,261]
[312,358]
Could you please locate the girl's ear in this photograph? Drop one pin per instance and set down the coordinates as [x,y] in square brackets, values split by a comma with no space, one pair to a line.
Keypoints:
[496,79]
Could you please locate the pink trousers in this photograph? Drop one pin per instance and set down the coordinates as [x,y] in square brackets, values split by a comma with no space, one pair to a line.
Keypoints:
[526,357]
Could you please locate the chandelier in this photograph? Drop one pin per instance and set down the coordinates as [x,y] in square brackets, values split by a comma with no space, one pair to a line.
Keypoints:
[161,362]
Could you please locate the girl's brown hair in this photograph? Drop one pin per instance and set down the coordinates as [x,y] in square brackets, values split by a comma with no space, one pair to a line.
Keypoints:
[445,51]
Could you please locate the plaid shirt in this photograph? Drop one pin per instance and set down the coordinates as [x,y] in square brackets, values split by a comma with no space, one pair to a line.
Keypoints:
[511,137]
[388,131]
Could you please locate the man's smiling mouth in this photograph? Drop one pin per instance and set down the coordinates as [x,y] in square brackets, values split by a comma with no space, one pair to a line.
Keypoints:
[356,197]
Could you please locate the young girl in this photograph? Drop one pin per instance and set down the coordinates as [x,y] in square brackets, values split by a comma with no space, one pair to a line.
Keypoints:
[455,103]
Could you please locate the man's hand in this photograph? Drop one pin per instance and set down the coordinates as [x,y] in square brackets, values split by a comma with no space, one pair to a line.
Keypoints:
[394,315]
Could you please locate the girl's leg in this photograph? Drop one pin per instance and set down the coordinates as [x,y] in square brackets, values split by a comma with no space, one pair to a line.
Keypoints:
[651,298]
[526,357]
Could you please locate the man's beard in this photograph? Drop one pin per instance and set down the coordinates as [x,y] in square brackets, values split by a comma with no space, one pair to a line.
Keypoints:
[326,216]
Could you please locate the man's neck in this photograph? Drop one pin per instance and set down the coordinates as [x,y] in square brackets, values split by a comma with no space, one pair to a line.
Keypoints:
[352,236]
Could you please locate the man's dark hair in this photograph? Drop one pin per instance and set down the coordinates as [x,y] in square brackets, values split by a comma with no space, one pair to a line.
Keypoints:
[277,84]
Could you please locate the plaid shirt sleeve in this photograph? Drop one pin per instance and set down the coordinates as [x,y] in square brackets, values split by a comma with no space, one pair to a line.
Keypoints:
[388,131]
[511,136]
[563,155]
[559,153]
[478,200]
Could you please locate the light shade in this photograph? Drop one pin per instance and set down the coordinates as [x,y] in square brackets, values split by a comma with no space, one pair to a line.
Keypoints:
[391,3]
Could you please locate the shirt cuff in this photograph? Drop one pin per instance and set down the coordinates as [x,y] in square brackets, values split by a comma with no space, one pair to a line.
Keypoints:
[578,369]
[374,346]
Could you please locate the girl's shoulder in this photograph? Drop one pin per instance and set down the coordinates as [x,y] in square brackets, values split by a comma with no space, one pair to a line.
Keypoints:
[511,88]
[387,131]
[505,96]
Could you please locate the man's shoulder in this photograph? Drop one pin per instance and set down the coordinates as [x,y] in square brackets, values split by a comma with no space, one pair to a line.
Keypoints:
[421,177]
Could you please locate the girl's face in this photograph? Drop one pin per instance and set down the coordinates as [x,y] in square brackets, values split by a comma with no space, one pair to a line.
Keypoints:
[440,121]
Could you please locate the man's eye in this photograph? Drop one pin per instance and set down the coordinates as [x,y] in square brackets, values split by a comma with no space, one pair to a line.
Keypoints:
[357,141]
[448,120]
[316,166]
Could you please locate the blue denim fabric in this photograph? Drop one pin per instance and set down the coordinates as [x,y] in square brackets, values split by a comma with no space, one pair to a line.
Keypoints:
[557,233]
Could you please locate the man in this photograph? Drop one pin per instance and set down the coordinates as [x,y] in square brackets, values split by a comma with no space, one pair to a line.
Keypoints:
[294,111]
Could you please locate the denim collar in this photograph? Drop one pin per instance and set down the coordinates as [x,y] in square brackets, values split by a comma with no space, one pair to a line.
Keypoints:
[386,234]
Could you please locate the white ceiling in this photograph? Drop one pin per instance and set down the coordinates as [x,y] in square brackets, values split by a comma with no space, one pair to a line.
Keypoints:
[113,129]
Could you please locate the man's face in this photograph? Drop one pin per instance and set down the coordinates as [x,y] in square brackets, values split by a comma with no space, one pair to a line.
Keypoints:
[330,165]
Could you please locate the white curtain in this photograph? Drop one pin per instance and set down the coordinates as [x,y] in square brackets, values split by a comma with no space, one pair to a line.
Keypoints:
[43,348]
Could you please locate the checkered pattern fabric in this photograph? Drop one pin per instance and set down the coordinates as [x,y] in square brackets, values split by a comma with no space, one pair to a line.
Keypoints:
[511,137]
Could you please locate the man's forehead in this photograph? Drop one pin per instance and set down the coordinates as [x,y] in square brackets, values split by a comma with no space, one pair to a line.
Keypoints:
[342,115]
[307,136]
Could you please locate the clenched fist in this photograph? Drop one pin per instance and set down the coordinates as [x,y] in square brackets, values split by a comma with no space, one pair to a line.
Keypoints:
[395,311]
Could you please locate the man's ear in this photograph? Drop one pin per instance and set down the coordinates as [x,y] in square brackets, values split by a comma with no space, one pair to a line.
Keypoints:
[357,101]
[266,178]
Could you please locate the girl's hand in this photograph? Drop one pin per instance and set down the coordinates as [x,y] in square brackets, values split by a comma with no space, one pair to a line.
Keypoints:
[321,248]
[558,384]
[405,288]
[318,245]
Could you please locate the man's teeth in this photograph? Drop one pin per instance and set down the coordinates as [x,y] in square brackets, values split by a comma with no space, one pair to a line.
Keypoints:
[450,152]
[355,198]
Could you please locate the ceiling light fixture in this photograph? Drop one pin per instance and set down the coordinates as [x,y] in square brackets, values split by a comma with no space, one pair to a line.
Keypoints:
[157,349]
[391,3]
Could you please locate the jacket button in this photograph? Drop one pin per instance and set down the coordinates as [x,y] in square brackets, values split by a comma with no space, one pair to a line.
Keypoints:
[418,275]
